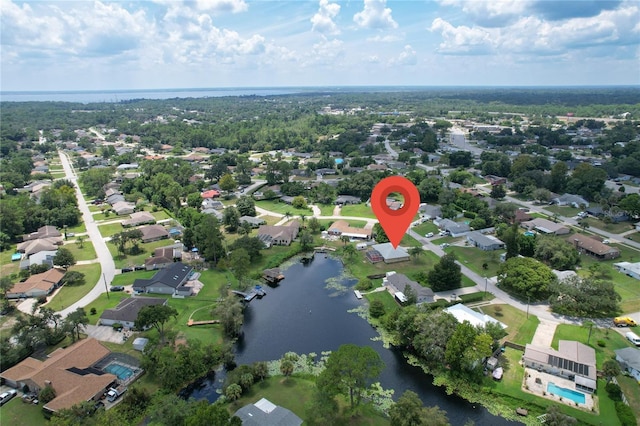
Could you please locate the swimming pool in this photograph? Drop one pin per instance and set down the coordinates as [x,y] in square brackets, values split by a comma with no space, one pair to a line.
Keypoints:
[574,396]
[121,371]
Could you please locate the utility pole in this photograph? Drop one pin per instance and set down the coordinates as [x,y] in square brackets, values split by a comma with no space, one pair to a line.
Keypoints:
[485,288]
[105,285]
[528,300]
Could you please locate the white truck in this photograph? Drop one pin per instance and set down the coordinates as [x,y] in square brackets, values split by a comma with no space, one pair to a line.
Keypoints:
[114,393]
[633,338]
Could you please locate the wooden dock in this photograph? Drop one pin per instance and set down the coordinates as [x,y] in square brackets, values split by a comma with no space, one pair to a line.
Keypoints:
[272,276]
[323,249]
[192,322]
[358,294]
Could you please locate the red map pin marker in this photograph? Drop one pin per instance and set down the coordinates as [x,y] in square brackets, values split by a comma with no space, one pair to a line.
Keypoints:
[395,222]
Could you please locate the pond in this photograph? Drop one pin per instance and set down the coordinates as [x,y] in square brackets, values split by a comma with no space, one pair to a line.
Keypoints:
[312,311]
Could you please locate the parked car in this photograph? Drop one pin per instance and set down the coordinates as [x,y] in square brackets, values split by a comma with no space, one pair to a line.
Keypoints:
[123,270]
[139,268]
[7,396]
[117,288]
[429,235]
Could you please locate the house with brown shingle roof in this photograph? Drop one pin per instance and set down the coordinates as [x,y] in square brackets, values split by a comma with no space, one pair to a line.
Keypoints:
[593,247]
[139,218]
[342,227]
[36,246]
[153,233]
[37,285]
[279,235]
[46,231]
[68,370]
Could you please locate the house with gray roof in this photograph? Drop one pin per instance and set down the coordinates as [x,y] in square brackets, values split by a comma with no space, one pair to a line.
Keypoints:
[545,226]
[399,282]
[347,199]
[631,269]
[430,211]
[126,312]
[571,200]
[484,242]
[255,222]
[390,254]
[629,359]
[153,233]
[455,229]
[139,218]
[170,280]
[266,413]
[41,258]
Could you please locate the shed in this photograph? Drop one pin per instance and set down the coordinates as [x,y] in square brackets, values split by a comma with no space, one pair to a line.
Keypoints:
[140,343]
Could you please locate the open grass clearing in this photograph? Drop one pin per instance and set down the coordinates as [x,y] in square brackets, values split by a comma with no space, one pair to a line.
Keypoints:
[614,228]
[631,389]
[68,295]
[520,328]
[277,206]
[129,277]
[426,227]
[389,302]
[326,209]
[110,229]
[360,267]
[563,210]
[138,259]
[78,229]
[357,210]
[473,258]
[161,215]
[87,252]
[271,220]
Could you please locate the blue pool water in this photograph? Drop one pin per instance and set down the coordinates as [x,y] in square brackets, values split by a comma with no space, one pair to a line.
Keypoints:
[575,396]
[121,371]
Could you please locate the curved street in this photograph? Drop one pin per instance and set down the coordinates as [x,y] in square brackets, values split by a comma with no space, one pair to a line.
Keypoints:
[102,252]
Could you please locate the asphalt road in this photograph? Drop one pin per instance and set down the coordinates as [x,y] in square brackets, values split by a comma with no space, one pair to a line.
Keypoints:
[104,256]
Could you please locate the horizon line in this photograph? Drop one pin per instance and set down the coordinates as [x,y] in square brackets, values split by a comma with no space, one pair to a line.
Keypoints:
[333,87]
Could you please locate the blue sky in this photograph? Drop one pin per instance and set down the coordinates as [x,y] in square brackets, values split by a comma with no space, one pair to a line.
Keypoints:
[104,45]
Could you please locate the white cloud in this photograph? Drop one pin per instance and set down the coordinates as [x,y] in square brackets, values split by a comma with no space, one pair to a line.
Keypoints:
[490,13]
[222,6]
[408,56]
[531,35]
[323,20]
[387,38]
[326,52]
[375,15]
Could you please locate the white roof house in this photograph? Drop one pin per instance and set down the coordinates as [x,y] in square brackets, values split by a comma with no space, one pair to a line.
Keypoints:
[390,254]
[463,313]
[631,269]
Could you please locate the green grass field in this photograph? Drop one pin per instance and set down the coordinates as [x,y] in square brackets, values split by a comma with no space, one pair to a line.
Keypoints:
[138,259]
[326,209]
[161,215]
[87,252]
[15,412]
[103,302]
[78,229]
[360,267]
[109,229]
[129,277]
[282,208]
[358,210]
[520,328]
[614,228]
[425,227]
[473,258]
[67,295]
[390,304]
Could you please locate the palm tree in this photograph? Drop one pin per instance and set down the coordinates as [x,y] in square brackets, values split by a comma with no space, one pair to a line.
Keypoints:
[287,215]
[344,239]
[303,219]
[349,251]
[416,252]
[589,325]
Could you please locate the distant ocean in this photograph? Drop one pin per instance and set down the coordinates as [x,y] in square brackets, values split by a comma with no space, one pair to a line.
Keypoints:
[125,95]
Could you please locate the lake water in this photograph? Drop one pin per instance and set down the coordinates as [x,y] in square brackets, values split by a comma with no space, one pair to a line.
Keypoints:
[304,315]
[126,95]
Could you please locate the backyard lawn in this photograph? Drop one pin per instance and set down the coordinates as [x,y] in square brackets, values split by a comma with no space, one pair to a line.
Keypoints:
[360,267]
[68,295]
[389,302]
[103,302]
[424,228]
[161,215]
[15,412]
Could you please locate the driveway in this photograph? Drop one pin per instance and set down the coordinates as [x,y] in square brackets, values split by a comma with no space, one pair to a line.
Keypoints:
[104,333]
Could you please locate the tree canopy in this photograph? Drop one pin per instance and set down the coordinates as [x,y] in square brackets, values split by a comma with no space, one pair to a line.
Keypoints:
[526,277]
